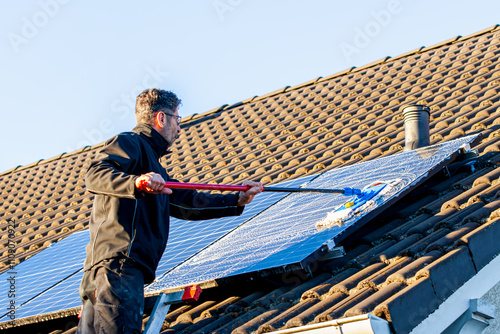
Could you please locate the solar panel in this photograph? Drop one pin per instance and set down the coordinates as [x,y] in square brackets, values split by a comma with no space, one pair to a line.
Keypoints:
[45,269]
[60,291]
[62,296]
[286,233]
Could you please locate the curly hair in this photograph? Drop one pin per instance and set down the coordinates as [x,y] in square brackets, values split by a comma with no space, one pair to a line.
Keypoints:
[153,100]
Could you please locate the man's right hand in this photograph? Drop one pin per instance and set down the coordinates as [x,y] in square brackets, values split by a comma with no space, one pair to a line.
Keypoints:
[152,183]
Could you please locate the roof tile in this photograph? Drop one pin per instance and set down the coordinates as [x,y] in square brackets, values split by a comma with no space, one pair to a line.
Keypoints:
[270,298]
[296,293]
[446,241]
[318,290]
[352,281]
[341,307]
[460,198]
[221,325]
[407,308]
[449,272]
[421,245]
[398,247]
[376,279]
[406,274]
[429,223]
[368,304]
[250,321]
[459,216]
[177,327]
[308,315]
[334,265]
[372,254]
[195,312]
[219,308]
[488,178]
[281,320]
[483,243]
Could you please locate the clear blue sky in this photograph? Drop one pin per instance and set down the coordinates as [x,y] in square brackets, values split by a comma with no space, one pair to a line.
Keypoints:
[71,69]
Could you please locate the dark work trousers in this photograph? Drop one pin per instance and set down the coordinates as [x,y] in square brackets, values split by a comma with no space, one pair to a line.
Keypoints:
[113,295]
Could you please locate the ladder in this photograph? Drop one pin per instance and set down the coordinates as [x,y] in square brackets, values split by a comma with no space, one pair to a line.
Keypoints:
[162,305]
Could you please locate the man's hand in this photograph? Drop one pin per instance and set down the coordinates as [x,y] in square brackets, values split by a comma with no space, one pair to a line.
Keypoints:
[245,197]
[152,183]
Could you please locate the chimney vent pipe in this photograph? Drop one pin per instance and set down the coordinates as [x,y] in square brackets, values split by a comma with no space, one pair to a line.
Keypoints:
[416,118]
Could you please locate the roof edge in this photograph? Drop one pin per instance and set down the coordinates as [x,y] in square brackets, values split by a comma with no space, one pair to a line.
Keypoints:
[49,160]
[387,59]
[40,318]
[453,307]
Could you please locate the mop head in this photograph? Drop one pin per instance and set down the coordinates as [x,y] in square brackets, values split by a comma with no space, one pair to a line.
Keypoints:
[370,197]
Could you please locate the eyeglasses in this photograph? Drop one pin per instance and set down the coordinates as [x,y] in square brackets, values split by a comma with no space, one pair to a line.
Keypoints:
[178,118]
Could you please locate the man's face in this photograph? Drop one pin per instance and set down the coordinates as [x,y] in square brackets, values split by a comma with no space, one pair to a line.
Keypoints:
[172,128]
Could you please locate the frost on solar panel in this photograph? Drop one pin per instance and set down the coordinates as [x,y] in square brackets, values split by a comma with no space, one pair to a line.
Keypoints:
[45,269]
[286,233]
[188,237]
[62,296]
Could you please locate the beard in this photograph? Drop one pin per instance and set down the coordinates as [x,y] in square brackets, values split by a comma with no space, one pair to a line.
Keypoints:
[172,140]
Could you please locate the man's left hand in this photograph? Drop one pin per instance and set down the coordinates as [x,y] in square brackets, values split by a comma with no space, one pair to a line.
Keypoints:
[245,197]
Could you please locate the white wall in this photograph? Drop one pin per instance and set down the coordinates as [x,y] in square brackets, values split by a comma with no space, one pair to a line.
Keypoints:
[493,297]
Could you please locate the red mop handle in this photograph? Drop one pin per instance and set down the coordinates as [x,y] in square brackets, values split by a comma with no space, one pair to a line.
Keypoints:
[225,187]
[178,185]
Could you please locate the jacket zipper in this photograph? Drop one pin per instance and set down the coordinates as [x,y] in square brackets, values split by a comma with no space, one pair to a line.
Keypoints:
[133,229]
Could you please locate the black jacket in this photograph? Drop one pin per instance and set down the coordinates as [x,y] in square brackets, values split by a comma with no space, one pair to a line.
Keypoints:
[132,224]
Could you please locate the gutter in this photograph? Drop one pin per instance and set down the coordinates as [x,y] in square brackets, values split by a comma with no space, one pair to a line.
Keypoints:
[360,324]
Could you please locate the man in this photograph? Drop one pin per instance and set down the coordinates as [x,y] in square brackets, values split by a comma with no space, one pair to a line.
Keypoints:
[129,224]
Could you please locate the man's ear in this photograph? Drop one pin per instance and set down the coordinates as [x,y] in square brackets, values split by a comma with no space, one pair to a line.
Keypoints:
[159,120]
